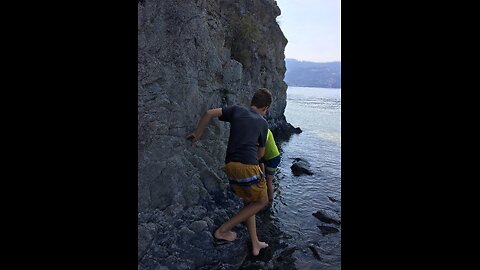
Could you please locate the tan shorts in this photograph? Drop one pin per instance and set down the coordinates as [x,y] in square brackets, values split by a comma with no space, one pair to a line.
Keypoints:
[247,181]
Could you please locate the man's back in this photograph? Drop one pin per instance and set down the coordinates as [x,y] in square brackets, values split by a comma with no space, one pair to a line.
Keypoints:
[248,131]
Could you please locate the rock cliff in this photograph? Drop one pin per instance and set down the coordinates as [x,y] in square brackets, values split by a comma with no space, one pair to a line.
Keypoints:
[192,56]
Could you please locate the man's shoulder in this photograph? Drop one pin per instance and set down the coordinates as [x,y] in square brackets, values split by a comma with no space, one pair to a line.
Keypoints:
[234,107]
[239,107]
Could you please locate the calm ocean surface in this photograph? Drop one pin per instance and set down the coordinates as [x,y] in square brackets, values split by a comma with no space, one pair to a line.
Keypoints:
[317,112]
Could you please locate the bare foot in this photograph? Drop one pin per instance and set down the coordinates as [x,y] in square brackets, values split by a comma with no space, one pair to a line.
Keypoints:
[256,247]
[229,236]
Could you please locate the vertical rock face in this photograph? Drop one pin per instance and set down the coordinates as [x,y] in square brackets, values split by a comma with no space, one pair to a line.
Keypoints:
[193,56]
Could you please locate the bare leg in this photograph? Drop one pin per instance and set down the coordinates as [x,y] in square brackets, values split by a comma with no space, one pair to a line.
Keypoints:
[252,231]
[250,209]
[270,187]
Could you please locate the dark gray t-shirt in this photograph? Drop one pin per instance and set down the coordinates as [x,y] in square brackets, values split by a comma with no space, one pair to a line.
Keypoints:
[248,131]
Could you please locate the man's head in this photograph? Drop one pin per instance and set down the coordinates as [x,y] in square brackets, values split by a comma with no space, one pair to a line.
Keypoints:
[262,100]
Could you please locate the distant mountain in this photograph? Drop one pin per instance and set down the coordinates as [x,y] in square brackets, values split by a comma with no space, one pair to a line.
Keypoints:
[312,74]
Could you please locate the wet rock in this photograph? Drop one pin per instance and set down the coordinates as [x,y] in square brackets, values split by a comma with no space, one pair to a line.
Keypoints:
[301,166]
[209,222]
[203,240]
[186,234]
[198,226]
[327,230]
[283,131]
[160,251]
[178,222]
[285,260]
[332,199]
[146,233]
[278,255]
[326,217]
[288,252]
[315,252]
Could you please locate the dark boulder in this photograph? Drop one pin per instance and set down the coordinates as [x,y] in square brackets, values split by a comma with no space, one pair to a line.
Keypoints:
[327,218]
[301,166]
[327,230]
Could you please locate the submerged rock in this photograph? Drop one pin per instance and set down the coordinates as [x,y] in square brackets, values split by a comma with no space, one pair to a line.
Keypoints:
[301,166]
[327,230]
[333,199]
[315,252]
[327,218]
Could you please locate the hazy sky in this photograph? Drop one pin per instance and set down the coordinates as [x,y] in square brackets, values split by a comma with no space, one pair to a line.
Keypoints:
[312,28]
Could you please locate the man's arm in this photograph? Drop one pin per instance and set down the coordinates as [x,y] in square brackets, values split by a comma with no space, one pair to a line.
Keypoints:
[202,124]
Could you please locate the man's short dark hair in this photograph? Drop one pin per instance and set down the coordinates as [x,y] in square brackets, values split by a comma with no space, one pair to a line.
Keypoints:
[262,98]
